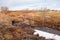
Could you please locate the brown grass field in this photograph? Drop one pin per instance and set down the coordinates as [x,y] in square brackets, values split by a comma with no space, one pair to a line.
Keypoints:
[35,18]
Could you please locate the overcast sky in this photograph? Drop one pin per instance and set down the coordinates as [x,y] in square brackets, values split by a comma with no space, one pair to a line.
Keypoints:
[31,4]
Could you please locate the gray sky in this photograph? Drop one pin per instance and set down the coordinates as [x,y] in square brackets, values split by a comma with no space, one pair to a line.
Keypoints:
[31,4]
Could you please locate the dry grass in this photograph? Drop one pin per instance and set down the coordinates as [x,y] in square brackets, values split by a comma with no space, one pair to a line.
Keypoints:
[36,18]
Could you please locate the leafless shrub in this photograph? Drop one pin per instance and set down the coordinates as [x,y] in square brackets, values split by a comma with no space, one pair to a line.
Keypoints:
[4,9]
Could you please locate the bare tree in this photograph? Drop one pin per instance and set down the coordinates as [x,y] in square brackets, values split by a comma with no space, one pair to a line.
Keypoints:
[4,9]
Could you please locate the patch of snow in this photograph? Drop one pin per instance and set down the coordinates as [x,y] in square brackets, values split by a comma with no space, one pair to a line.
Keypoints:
[47,35]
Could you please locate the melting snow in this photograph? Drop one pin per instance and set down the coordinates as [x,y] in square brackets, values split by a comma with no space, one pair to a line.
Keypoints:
[47,35]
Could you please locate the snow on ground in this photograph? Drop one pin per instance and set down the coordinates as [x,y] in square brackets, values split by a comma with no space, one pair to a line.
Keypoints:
[47,35]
